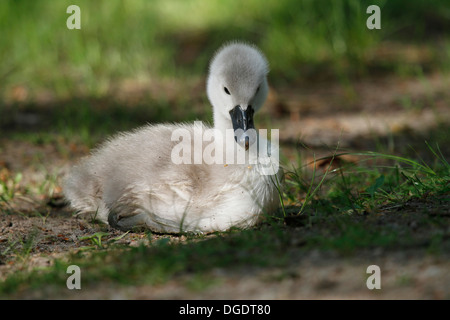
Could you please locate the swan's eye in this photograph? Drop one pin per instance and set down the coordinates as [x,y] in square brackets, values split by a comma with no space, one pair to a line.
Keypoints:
[226,91]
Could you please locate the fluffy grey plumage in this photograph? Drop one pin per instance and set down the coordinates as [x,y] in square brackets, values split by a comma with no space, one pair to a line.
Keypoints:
[131,181]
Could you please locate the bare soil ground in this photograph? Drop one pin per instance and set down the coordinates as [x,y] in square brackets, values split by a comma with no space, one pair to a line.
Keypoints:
[34,230]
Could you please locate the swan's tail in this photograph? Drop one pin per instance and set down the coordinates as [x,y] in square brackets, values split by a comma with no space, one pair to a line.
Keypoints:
[83,190]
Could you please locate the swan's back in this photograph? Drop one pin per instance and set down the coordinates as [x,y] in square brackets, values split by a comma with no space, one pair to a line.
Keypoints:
[135,172]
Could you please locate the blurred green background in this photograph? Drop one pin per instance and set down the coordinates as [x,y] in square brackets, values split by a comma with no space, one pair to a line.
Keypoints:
[78,85]
[138,39]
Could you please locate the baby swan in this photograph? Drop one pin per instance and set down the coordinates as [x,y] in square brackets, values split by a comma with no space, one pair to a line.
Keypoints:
[161,178]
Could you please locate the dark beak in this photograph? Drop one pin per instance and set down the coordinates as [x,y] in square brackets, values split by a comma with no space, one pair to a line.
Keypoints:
[243,121]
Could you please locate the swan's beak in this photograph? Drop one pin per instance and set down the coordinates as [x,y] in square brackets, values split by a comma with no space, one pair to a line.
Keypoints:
[244,129]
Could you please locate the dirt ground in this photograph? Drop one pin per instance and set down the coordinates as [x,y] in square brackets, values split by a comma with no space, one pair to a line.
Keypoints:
[311,116]
[404,275]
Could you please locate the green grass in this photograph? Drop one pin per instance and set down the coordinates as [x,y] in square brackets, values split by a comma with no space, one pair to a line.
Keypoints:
[351,236]
[362,186]
[338,203]
[9,186]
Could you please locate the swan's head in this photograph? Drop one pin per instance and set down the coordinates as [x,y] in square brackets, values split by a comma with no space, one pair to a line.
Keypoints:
[237,87]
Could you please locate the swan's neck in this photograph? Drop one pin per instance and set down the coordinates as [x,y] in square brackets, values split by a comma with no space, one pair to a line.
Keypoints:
[221,123]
